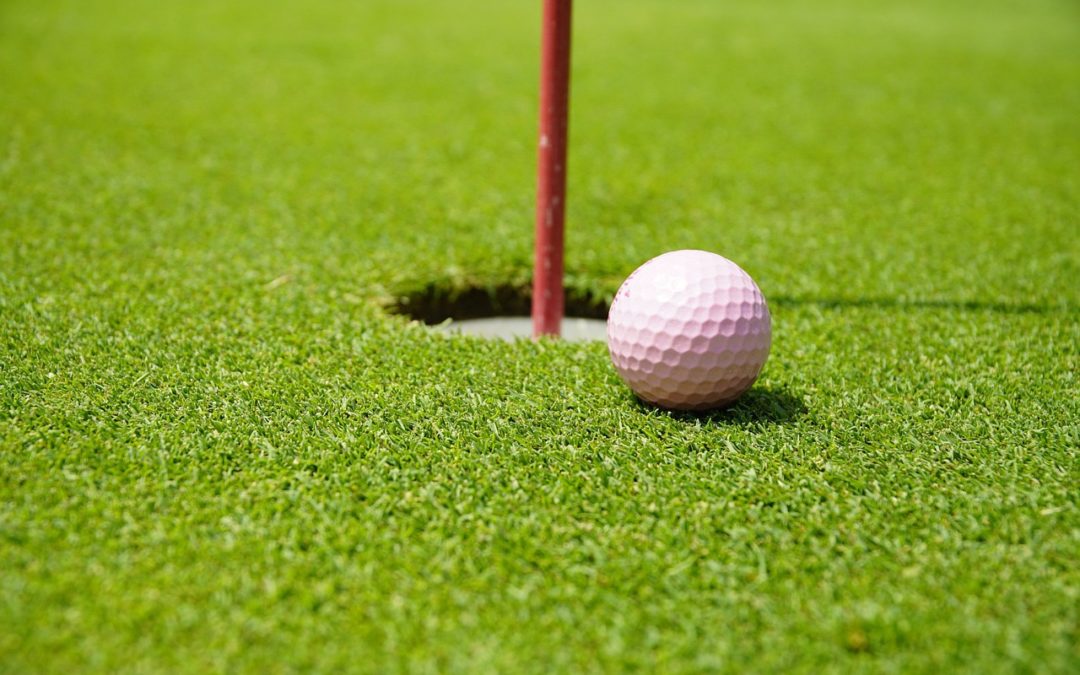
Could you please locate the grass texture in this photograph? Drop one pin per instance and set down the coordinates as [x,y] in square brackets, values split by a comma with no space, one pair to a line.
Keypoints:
[219,453]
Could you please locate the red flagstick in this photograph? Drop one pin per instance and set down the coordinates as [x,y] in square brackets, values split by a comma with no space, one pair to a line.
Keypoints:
[547,302]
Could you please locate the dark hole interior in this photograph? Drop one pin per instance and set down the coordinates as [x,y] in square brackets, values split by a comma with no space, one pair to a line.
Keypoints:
[434,304]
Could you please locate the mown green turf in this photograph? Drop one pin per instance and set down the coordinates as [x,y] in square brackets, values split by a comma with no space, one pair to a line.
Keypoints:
[218,453]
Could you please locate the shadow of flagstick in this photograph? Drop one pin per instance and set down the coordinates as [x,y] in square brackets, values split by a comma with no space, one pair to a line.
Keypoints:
[920,305]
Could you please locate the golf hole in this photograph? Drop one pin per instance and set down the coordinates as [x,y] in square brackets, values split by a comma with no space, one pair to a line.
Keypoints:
[498,312]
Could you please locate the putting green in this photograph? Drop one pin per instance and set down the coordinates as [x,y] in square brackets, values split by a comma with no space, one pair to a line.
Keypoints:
[219,452]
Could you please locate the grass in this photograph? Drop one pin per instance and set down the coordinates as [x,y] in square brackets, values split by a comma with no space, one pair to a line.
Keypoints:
[217,451]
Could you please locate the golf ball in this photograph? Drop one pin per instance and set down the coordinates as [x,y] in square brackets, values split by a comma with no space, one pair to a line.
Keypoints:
[689,330]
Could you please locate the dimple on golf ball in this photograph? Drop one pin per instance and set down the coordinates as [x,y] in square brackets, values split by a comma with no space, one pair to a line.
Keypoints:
[689,330]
